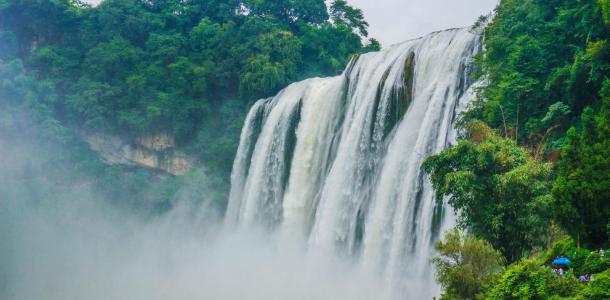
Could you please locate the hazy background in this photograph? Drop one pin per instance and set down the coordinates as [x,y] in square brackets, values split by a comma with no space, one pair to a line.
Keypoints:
[62,241]
[394,21]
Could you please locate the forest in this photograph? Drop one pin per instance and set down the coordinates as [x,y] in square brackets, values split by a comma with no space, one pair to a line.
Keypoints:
[192,68]
[529,178]
[531,174]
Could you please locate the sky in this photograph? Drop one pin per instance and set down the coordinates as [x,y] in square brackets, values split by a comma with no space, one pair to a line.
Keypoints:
[394,21]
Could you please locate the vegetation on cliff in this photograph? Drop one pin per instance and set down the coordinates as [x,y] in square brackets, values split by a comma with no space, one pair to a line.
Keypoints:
[192,68]
[532,163]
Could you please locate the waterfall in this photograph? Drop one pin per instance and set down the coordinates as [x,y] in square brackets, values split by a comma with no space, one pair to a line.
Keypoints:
[334,163]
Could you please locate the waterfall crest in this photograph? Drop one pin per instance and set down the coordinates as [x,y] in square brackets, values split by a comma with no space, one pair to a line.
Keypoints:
[334,163]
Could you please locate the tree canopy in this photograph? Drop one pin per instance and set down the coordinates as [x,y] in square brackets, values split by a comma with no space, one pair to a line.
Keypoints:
[533,163]
[582,188]
[499,191]
[464,264]
[188,67]
[539,54]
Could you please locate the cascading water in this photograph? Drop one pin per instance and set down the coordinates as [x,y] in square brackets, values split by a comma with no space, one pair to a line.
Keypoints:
[334,163]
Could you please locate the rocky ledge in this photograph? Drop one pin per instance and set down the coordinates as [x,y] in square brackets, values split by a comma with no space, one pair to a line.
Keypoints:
[156,151]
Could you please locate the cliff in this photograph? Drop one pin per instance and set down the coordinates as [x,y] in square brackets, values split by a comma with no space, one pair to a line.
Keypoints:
[156,151]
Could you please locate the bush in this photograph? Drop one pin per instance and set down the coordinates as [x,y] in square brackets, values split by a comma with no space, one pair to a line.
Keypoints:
[599,288]
[465,263]
[528,279]
[595,264]
[568,248]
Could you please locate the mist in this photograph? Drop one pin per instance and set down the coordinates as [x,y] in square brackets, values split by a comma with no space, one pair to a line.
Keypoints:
[61,240]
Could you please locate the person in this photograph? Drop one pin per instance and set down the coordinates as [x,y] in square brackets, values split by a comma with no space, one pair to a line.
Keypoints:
[602,252]
[560,271]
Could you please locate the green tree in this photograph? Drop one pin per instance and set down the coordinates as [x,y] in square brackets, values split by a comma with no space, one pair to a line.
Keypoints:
[343,14]
[605,5]
[532,278]
[582,186]
[273,66]
[129,67]
[599,288]
[112,61]
[327,45]
[499,191]
[464,265]
[129,19]
[290,11]
[528,279]
[536,56]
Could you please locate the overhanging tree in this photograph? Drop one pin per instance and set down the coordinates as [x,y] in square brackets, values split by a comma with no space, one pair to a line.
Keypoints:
[501,194]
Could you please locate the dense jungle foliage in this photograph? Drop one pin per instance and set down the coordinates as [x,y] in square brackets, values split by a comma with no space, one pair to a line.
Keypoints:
[192,68]
[530,176]
[533,162]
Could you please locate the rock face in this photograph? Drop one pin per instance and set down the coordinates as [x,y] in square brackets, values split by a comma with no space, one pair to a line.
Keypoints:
[155,151]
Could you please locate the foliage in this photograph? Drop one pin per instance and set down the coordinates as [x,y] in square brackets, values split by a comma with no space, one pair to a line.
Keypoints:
[545,72]
[528,279]
[578,256]
[599,288]
[169,64]
[499,191]
[582,186]
[464,264]
[605,5]
[343,14]
[594,263]
[539,54]
[272,68]
[189,67]
[584,261]
[46,159]
[533,278]
[290,11]
[545,68]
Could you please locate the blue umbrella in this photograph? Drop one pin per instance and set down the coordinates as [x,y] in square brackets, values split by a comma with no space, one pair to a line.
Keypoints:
[562,261]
